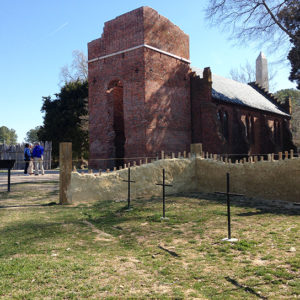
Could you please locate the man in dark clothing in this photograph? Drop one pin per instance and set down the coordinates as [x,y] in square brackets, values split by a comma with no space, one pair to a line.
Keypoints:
[37,154]
[27,157]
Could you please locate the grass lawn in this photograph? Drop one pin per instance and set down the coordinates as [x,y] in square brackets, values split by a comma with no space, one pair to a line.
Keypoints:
[103,251]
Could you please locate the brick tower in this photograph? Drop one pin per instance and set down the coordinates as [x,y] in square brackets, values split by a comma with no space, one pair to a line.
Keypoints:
[139,89]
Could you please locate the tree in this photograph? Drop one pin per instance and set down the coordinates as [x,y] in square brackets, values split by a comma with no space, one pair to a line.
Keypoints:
[78,71]
[290,16]
[295,121]
[63,120]
[292,93]
[32,135]
[8,136]
[265,20]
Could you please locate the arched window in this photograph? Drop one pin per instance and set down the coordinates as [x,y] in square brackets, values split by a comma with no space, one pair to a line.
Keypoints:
[277,132]
[252,130]
[115,97]
[225,125]
[223,119]
[248,128]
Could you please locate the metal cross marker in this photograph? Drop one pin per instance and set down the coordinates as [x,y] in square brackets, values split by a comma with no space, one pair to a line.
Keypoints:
[164,195]
[128,181]
[229,239]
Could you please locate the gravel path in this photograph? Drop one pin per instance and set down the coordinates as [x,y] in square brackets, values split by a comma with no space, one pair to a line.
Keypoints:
[17,176]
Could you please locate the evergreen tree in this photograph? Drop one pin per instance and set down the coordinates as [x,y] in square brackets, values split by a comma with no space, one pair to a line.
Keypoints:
[64,118]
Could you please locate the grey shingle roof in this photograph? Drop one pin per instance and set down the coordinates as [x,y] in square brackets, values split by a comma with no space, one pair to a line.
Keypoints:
[235,92]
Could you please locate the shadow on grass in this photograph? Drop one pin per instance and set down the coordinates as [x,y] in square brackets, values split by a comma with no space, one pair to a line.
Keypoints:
[24,237]
[28,205]
[245,288]
[261,206]
[35,182]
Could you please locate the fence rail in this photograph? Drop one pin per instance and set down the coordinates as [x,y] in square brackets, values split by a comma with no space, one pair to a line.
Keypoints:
[17,152]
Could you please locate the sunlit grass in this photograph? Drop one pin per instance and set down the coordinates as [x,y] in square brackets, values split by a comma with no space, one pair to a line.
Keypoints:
[104,251]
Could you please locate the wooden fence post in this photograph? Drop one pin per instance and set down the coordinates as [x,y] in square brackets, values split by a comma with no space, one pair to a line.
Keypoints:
[65,166]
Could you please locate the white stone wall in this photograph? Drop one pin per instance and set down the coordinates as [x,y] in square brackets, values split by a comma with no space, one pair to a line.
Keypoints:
[179,172]
[272,180]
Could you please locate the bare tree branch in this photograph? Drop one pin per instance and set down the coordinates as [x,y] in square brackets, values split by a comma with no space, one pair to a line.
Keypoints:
[78,69]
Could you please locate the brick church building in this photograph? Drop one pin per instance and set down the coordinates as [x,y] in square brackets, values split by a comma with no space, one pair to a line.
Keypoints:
[145,97]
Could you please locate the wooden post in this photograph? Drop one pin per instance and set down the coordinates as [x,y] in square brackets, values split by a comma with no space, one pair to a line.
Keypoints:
[292,153]
[65,165]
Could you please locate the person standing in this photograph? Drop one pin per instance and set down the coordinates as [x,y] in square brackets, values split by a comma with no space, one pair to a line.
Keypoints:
[37,154]
[27,157]
[30,167]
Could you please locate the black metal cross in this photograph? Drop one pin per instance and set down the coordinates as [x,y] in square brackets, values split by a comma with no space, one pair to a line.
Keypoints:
[129,181]
[228,203]
[164,195]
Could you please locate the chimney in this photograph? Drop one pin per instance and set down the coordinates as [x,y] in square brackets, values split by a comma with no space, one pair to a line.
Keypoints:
[262,76]
[207,74]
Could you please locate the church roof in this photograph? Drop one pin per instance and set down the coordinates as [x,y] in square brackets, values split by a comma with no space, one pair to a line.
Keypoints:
[235,92]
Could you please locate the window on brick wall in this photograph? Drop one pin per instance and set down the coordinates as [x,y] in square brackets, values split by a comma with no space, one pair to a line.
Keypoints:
[250,129]
[225,126]
[223,119]
[277,132]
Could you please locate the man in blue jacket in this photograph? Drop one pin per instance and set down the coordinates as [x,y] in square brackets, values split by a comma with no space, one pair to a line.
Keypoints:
[27,156]
[37,155]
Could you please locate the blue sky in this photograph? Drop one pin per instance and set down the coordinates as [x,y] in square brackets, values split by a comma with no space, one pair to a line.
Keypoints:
[38,37]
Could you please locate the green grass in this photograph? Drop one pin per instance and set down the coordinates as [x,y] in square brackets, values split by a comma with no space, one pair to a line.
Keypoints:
[102,251]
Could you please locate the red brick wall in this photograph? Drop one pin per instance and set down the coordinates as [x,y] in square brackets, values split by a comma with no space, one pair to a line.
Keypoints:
[167,86]
[207,129]
[164,106]
[161,33]
[156,87]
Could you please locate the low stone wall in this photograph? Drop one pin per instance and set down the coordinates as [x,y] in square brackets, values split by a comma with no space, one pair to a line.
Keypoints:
[271,180]
[109,186]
